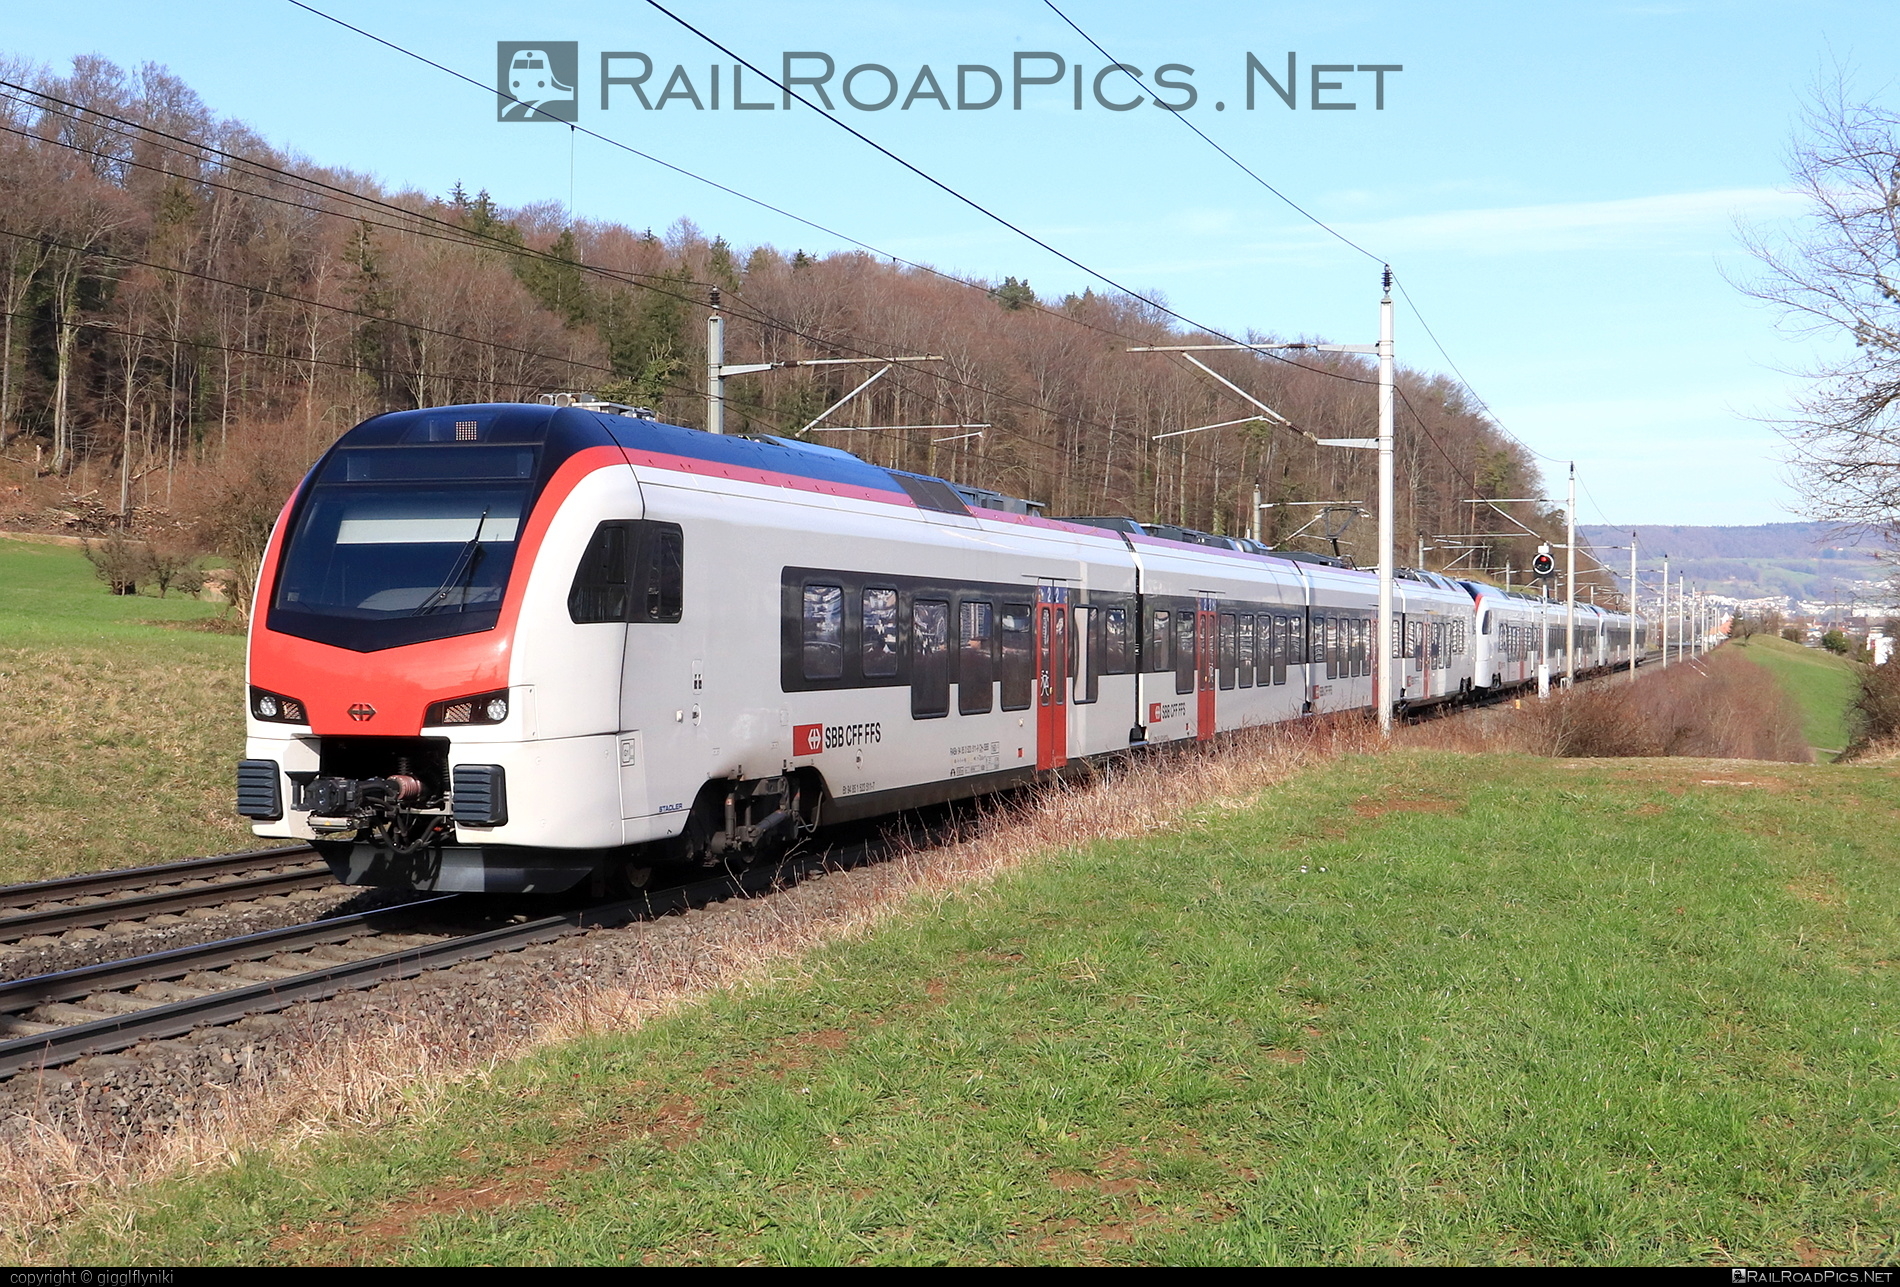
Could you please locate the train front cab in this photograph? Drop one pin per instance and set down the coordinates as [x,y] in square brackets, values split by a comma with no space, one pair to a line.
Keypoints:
[416,675]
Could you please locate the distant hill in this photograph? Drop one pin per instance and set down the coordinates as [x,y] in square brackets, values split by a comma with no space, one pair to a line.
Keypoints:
[1799,562]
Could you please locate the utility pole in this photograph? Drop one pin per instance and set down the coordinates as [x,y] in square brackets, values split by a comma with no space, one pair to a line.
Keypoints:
[715,368]
[1682,619]
[1254,525]
[1387,519]
[1635,618]
[1382,672]
[1663,613]
[1570,583]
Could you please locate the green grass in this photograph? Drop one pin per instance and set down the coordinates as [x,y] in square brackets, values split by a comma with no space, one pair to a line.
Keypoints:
[117,736]
[1418,1007]
[1822,684]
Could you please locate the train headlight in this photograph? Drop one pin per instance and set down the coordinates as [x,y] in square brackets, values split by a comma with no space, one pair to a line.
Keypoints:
[478,708]
[275,708]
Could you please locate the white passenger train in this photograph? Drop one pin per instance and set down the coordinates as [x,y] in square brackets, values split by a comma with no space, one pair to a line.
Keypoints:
[511,647]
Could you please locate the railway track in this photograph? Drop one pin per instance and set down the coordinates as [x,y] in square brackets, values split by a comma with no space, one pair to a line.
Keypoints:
[56,1018]
[106,898]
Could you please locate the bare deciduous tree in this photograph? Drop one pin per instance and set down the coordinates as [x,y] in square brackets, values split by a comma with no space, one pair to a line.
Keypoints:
[1837,279]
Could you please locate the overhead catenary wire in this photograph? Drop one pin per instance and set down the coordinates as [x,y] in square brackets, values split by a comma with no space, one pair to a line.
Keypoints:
[1118,64]
[763,204]
[195,150]
[198,148]
[1322,224]
[745,309]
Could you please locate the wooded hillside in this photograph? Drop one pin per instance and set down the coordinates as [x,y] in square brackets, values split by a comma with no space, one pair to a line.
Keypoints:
[188,316]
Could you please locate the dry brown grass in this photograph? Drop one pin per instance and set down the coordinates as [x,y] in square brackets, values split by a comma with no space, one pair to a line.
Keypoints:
[116,757]
[1714,708]
[1880,751]
[409,1068]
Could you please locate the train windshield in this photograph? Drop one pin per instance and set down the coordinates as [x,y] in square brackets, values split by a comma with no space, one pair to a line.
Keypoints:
[398,544]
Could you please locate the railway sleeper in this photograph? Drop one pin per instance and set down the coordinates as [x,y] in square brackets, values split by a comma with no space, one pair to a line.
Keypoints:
[66,1014]
[165,990]
[261,971]
[116,1003]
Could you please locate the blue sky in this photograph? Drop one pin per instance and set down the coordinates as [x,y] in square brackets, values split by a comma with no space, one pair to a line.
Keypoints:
[1558,186]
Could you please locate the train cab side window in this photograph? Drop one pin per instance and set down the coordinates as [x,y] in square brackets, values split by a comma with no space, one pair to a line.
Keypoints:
[665,568]
[1184,658]
[632,571]
[1159,656]
[1115,642]
[976,669]
[1484,622]
[824,632]
[600,583]
[878,651]
[1018,657]
[929,658]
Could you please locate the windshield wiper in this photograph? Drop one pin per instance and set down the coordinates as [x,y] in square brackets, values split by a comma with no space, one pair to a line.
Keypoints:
[459,575]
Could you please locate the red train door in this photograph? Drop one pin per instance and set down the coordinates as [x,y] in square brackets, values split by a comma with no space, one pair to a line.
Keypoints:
[1052,685]
[1206,658]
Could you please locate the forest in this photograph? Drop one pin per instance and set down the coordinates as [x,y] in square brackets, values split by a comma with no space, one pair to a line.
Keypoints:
[189,316]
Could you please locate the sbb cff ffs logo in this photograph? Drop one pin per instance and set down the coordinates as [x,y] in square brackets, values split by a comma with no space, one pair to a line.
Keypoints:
[812,739]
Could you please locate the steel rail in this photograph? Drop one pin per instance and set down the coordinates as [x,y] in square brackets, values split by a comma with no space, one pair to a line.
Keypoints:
[177,1018]
[107,976]
[111,882]
[54,919]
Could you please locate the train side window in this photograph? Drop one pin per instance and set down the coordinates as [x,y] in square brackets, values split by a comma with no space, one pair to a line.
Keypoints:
[1229,649]
[1184,658]
[1283,628]
[929,658]
[1159,655]
[600,591]
[1323,646]
[1085,670]
[1484,622]
[824,632]
[878,645]
[976,667]
[1247,644]
[1018,657]
[1115,642]
[666,572]
[1362,647]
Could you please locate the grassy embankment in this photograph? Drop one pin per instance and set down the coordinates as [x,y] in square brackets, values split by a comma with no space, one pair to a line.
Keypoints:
[117,736]
[1419,1006]
[1822,684]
